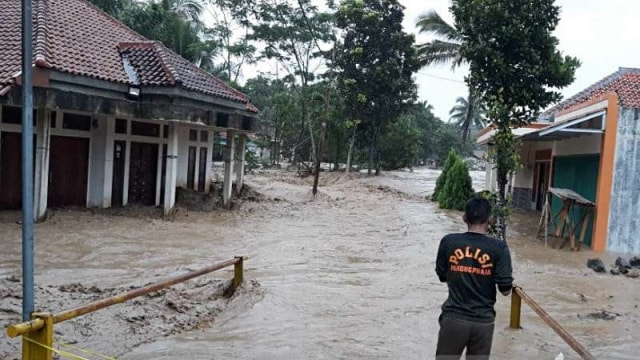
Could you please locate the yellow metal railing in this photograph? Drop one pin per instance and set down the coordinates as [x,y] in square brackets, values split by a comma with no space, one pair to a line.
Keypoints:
[38,333]
[518,295]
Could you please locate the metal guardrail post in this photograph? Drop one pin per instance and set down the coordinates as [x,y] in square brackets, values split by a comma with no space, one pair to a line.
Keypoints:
[44,336]
[516,309]
[516,300]
[238,272]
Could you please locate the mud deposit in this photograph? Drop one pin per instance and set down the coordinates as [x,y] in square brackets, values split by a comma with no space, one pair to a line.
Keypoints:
[118,329]
[346,275]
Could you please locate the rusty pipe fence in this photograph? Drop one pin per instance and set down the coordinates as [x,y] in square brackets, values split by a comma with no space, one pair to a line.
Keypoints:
[518,295]
[39,330]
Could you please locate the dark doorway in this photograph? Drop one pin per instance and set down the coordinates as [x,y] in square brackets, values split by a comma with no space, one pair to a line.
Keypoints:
[191,169]
[542,184]
[143,170]
[11,171]
[68,171]
[202,171]
[163,177]
[119,166]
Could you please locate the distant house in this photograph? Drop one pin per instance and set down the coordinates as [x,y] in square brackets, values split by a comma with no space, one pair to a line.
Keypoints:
[589,143]
[118,119]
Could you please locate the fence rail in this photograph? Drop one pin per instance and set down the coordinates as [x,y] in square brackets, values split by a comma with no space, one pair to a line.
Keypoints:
[518,296]
[39,330]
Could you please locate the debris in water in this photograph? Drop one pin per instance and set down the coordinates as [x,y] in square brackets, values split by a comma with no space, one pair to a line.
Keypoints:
[633,274]
[623,263]
[596,265]
[602,315]
[615,271]
[559,357]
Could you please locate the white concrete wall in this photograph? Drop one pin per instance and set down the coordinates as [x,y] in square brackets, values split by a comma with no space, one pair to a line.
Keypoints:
[183,155]
[97,159]
[100,168]
[583,145]
[524,177]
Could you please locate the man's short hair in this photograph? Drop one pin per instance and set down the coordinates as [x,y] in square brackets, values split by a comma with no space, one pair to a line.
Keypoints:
[477,211]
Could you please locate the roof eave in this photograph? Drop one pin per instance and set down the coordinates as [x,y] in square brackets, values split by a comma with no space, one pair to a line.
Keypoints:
[239,107]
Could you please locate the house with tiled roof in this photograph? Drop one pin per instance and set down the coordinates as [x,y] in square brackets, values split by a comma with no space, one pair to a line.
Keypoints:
[588,143]
[118,119]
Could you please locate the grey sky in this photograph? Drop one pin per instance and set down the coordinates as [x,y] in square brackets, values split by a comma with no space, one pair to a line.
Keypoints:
[601,33]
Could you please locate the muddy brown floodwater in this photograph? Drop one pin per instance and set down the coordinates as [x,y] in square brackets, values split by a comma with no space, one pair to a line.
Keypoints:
[349,275]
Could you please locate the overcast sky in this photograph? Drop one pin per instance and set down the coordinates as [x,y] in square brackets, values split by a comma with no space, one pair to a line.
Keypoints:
[603,34]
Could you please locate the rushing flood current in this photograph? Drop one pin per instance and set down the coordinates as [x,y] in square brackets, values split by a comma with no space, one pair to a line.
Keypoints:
[349,275]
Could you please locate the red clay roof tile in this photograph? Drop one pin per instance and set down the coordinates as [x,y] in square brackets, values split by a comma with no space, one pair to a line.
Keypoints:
[625,83]
[75,37]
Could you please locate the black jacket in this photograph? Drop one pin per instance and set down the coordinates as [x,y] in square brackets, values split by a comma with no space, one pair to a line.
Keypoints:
[473,265]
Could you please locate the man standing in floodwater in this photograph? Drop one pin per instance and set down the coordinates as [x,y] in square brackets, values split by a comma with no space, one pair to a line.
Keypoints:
[473,265]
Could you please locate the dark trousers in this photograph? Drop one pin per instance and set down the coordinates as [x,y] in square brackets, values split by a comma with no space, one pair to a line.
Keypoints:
[456,335]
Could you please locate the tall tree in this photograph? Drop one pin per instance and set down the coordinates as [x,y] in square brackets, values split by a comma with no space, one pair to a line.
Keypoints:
[231,29]
[460,116]
[291,34]
[445,48]
[175,23]
[375,62]
[515,67]
[112,7]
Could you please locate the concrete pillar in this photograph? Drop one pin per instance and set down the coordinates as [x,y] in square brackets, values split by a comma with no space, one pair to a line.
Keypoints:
[242,144]
[229,153]
[108,162]
[172,170]
[209,170]
[41,183]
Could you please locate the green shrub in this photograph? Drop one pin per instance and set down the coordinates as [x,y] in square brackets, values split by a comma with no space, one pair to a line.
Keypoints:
[452,157]
[458,188]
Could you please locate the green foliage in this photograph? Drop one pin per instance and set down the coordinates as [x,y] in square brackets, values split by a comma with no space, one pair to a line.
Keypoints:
[511,42]
[496,212]
[452,158]
[446,137]
[401,144]
[375,61]
[112,7]
[461,117]
[458,187]
[445,48]
[252,160]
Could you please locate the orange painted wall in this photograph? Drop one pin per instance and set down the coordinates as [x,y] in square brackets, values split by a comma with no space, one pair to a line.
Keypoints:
[605,175]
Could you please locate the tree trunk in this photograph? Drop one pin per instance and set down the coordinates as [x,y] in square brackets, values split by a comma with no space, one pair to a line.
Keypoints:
[501,221]
[352,142]
[370,164]
[316,177]
[313,152]
[336,166]
[466,125]
[502,179]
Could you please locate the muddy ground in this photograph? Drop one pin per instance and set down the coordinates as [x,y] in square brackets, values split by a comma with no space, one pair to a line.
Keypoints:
[346,275]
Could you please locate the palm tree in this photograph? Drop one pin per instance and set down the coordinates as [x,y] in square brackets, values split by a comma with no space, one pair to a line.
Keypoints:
[459,116]
[444,49]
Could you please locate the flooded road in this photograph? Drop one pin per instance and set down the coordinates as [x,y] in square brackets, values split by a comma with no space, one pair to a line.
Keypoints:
[349,275]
